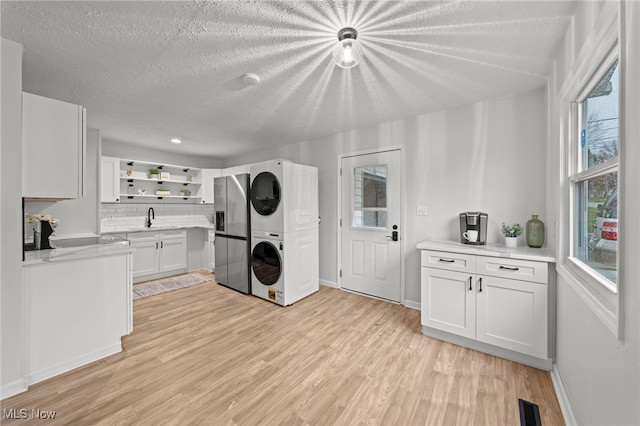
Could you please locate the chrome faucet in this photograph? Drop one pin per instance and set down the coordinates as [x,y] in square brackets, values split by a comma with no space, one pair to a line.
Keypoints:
[151,214]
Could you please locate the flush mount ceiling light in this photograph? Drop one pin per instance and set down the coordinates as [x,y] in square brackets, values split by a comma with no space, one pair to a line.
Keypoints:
[348,52]
[176,140]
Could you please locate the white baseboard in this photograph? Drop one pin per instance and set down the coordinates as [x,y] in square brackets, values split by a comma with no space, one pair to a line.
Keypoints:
[13,388]
[329,284]
[563,398]
[48,372]
[412,304]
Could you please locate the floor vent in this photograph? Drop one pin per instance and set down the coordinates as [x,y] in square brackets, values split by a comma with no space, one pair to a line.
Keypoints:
[529,413]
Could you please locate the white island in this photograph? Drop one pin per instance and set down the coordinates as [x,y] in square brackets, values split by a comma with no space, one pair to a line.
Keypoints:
[78,303]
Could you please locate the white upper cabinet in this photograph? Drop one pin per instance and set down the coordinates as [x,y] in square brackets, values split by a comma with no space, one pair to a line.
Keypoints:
[236,170]
[53,148]
[206,188]
[109,179]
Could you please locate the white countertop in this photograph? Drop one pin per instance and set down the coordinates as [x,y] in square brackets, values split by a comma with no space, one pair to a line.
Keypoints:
[542,254]
[125,230]
[73,253]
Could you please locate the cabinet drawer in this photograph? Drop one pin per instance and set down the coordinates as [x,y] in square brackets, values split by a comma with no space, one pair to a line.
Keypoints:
[524,270]
[449,261]
[141,236]
[172,234]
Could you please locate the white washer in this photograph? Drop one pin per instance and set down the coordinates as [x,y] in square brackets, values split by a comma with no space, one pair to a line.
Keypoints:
[267,266]
[284,196]
[284,267]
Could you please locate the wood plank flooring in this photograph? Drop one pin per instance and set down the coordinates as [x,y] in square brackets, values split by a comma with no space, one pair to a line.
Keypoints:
[207,355]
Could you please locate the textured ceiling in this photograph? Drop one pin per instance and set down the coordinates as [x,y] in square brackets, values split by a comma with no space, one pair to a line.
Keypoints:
[150,71]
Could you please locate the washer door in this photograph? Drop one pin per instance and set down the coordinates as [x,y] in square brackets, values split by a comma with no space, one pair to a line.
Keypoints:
[265,193]
[266,263]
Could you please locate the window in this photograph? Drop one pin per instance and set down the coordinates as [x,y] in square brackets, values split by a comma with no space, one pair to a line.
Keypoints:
[370,200]
[594,180]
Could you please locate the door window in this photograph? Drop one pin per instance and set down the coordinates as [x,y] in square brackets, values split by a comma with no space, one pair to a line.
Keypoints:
[370,197]
[265,262]
[265,194]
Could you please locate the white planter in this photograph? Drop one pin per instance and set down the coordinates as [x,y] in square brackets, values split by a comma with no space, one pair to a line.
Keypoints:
[154,176]
[511,242]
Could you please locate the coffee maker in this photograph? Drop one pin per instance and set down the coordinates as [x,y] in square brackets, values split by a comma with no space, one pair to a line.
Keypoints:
[476,222]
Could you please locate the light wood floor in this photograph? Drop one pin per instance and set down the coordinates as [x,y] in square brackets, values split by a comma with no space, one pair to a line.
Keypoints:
[211,356]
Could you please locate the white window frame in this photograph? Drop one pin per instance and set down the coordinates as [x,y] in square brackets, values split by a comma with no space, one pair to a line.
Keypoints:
[599,52]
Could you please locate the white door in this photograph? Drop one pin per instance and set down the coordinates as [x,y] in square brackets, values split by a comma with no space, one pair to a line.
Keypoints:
[371,199]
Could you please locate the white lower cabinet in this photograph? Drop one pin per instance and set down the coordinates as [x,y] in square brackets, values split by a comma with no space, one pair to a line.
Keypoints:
[512,314]
[497,301]
[158,254]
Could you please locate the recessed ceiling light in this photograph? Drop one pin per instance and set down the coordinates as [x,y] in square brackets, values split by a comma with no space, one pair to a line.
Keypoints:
[250,79]
[176,140]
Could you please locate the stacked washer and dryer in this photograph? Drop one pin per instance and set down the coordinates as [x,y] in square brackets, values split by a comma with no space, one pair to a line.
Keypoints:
[284,231]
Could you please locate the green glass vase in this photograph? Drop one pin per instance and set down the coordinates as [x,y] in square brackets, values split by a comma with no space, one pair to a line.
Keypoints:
[535,232]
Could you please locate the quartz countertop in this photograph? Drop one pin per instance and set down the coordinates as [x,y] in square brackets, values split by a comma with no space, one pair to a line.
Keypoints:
[100,246]
[125,230]
[542,254]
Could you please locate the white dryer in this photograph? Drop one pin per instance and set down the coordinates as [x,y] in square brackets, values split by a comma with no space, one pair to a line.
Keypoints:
[284,196]
[284,267]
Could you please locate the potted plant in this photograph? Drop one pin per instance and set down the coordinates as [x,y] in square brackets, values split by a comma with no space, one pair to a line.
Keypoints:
[511,234]
[153,173]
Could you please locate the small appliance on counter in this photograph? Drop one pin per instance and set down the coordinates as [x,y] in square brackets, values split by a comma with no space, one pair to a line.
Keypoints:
[473,228]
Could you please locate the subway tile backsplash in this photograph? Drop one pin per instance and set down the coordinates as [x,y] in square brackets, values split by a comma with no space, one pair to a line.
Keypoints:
[114,216]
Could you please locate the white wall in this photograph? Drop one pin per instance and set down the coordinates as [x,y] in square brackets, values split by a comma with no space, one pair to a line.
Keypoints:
[601,373]
[78,216]
[489,156]
[11,220]
[132,152]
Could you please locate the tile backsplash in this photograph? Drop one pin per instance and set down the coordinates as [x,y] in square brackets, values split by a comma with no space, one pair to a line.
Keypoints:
[115,216]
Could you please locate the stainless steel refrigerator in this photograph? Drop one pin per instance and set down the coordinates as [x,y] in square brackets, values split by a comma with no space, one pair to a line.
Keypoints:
[233,245]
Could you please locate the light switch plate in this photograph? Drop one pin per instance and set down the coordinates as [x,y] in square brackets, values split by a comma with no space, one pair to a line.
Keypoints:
[422,211]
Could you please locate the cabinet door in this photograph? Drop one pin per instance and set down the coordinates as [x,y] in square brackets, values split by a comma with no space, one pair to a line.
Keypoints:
[173,254]
[448,301]
[53,148]
[512,314]
[206,187]
[109,180]
[145,258]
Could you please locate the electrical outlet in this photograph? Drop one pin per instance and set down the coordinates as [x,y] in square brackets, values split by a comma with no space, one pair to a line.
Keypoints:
[422,211]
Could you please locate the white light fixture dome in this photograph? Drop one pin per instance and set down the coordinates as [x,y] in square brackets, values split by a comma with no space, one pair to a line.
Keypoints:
[348,52]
